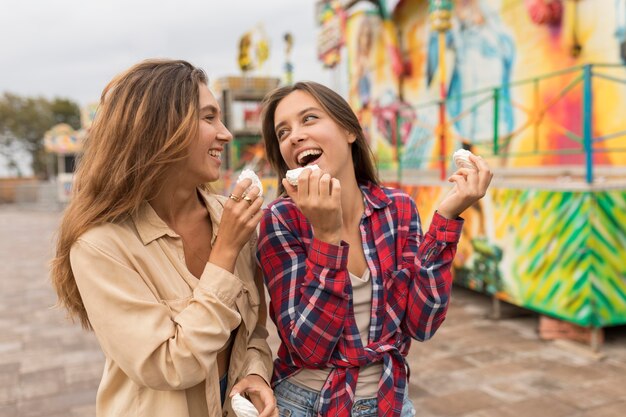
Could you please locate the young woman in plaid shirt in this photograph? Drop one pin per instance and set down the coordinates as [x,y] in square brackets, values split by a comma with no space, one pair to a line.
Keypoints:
[351,276]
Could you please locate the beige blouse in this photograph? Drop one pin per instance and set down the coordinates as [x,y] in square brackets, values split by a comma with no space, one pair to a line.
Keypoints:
[161,328]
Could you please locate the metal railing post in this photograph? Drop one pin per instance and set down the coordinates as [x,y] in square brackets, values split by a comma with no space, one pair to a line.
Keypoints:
[399,148]
[496,119]
[587,126]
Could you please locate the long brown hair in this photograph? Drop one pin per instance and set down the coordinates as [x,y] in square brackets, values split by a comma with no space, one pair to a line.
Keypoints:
[338,109]
[147,117]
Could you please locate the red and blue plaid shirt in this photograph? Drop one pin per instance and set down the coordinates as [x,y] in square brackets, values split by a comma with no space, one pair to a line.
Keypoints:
[311,294]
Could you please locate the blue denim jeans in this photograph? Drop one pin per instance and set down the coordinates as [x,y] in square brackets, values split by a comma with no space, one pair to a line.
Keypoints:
[223,386]
[296,401]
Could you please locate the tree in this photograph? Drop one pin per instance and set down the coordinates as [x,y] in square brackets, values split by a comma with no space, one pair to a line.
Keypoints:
[65,111]
[25,120]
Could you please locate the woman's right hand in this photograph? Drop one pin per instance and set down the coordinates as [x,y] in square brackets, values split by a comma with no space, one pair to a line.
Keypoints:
[242,213]
[318,196]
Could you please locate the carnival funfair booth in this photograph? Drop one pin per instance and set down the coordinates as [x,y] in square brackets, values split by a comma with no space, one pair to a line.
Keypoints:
[537,87]
[64,143]
[240,98]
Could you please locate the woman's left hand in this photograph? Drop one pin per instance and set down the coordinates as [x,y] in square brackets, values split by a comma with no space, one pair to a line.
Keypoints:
[259,393]
[470,186]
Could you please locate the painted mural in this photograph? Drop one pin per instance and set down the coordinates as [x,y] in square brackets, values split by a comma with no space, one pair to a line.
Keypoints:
[570,265]
[502,80]
[528,84]
[557,252]
[373,85]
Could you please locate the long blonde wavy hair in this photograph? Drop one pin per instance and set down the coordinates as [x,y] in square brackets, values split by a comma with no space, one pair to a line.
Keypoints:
[146,120]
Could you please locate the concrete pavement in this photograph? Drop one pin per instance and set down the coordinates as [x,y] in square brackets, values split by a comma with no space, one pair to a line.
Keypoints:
[474,367]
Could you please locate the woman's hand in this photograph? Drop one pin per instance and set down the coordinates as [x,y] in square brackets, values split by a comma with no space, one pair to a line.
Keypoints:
[318,196]
[470,186]
[259,393]
[242,213]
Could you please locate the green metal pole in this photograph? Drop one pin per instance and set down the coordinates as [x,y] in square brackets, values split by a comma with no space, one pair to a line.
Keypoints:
[496,119]
[588,121]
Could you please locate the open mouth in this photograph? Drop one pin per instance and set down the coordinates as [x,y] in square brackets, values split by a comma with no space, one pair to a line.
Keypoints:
[308,157]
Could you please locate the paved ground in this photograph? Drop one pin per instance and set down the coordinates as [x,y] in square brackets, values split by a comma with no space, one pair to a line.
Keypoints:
[474,367]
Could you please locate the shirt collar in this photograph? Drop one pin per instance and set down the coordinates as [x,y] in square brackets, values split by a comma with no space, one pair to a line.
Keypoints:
[374,197]
[151,227]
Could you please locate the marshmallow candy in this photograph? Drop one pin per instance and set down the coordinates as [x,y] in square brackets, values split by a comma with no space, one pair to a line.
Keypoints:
[243,407]
[248,173]
[461,159]
[293,174]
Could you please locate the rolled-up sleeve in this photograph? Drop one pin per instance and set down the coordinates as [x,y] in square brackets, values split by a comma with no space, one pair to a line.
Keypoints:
[429,259]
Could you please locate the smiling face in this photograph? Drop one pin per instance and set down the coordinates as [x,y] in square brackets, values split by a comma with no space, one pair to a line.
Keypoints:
[204,155]
[314,116]
[308,135]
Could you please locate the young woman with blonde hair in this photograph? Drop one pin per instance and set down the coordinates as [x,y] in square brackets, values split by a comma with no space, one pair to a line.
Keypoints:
[160,268]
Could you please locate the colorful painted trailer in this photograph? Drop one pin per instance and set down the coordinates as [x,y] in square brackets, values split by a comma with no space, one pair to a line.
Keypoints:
[554,248]
[539,89]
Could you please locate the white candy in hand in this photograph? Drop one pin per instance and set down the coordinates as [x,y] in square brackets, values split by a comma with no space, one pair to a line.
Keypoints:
[248,173]
[293,174]
[243,407]
[462,160]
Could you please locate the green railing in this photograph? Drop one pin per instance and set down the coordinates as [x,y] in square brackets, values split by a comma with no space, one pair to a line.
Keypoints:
[546,92]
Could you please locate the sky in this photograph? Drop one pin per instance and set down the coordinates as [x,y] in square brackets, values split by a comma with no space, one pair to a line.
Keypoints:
[72,48]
